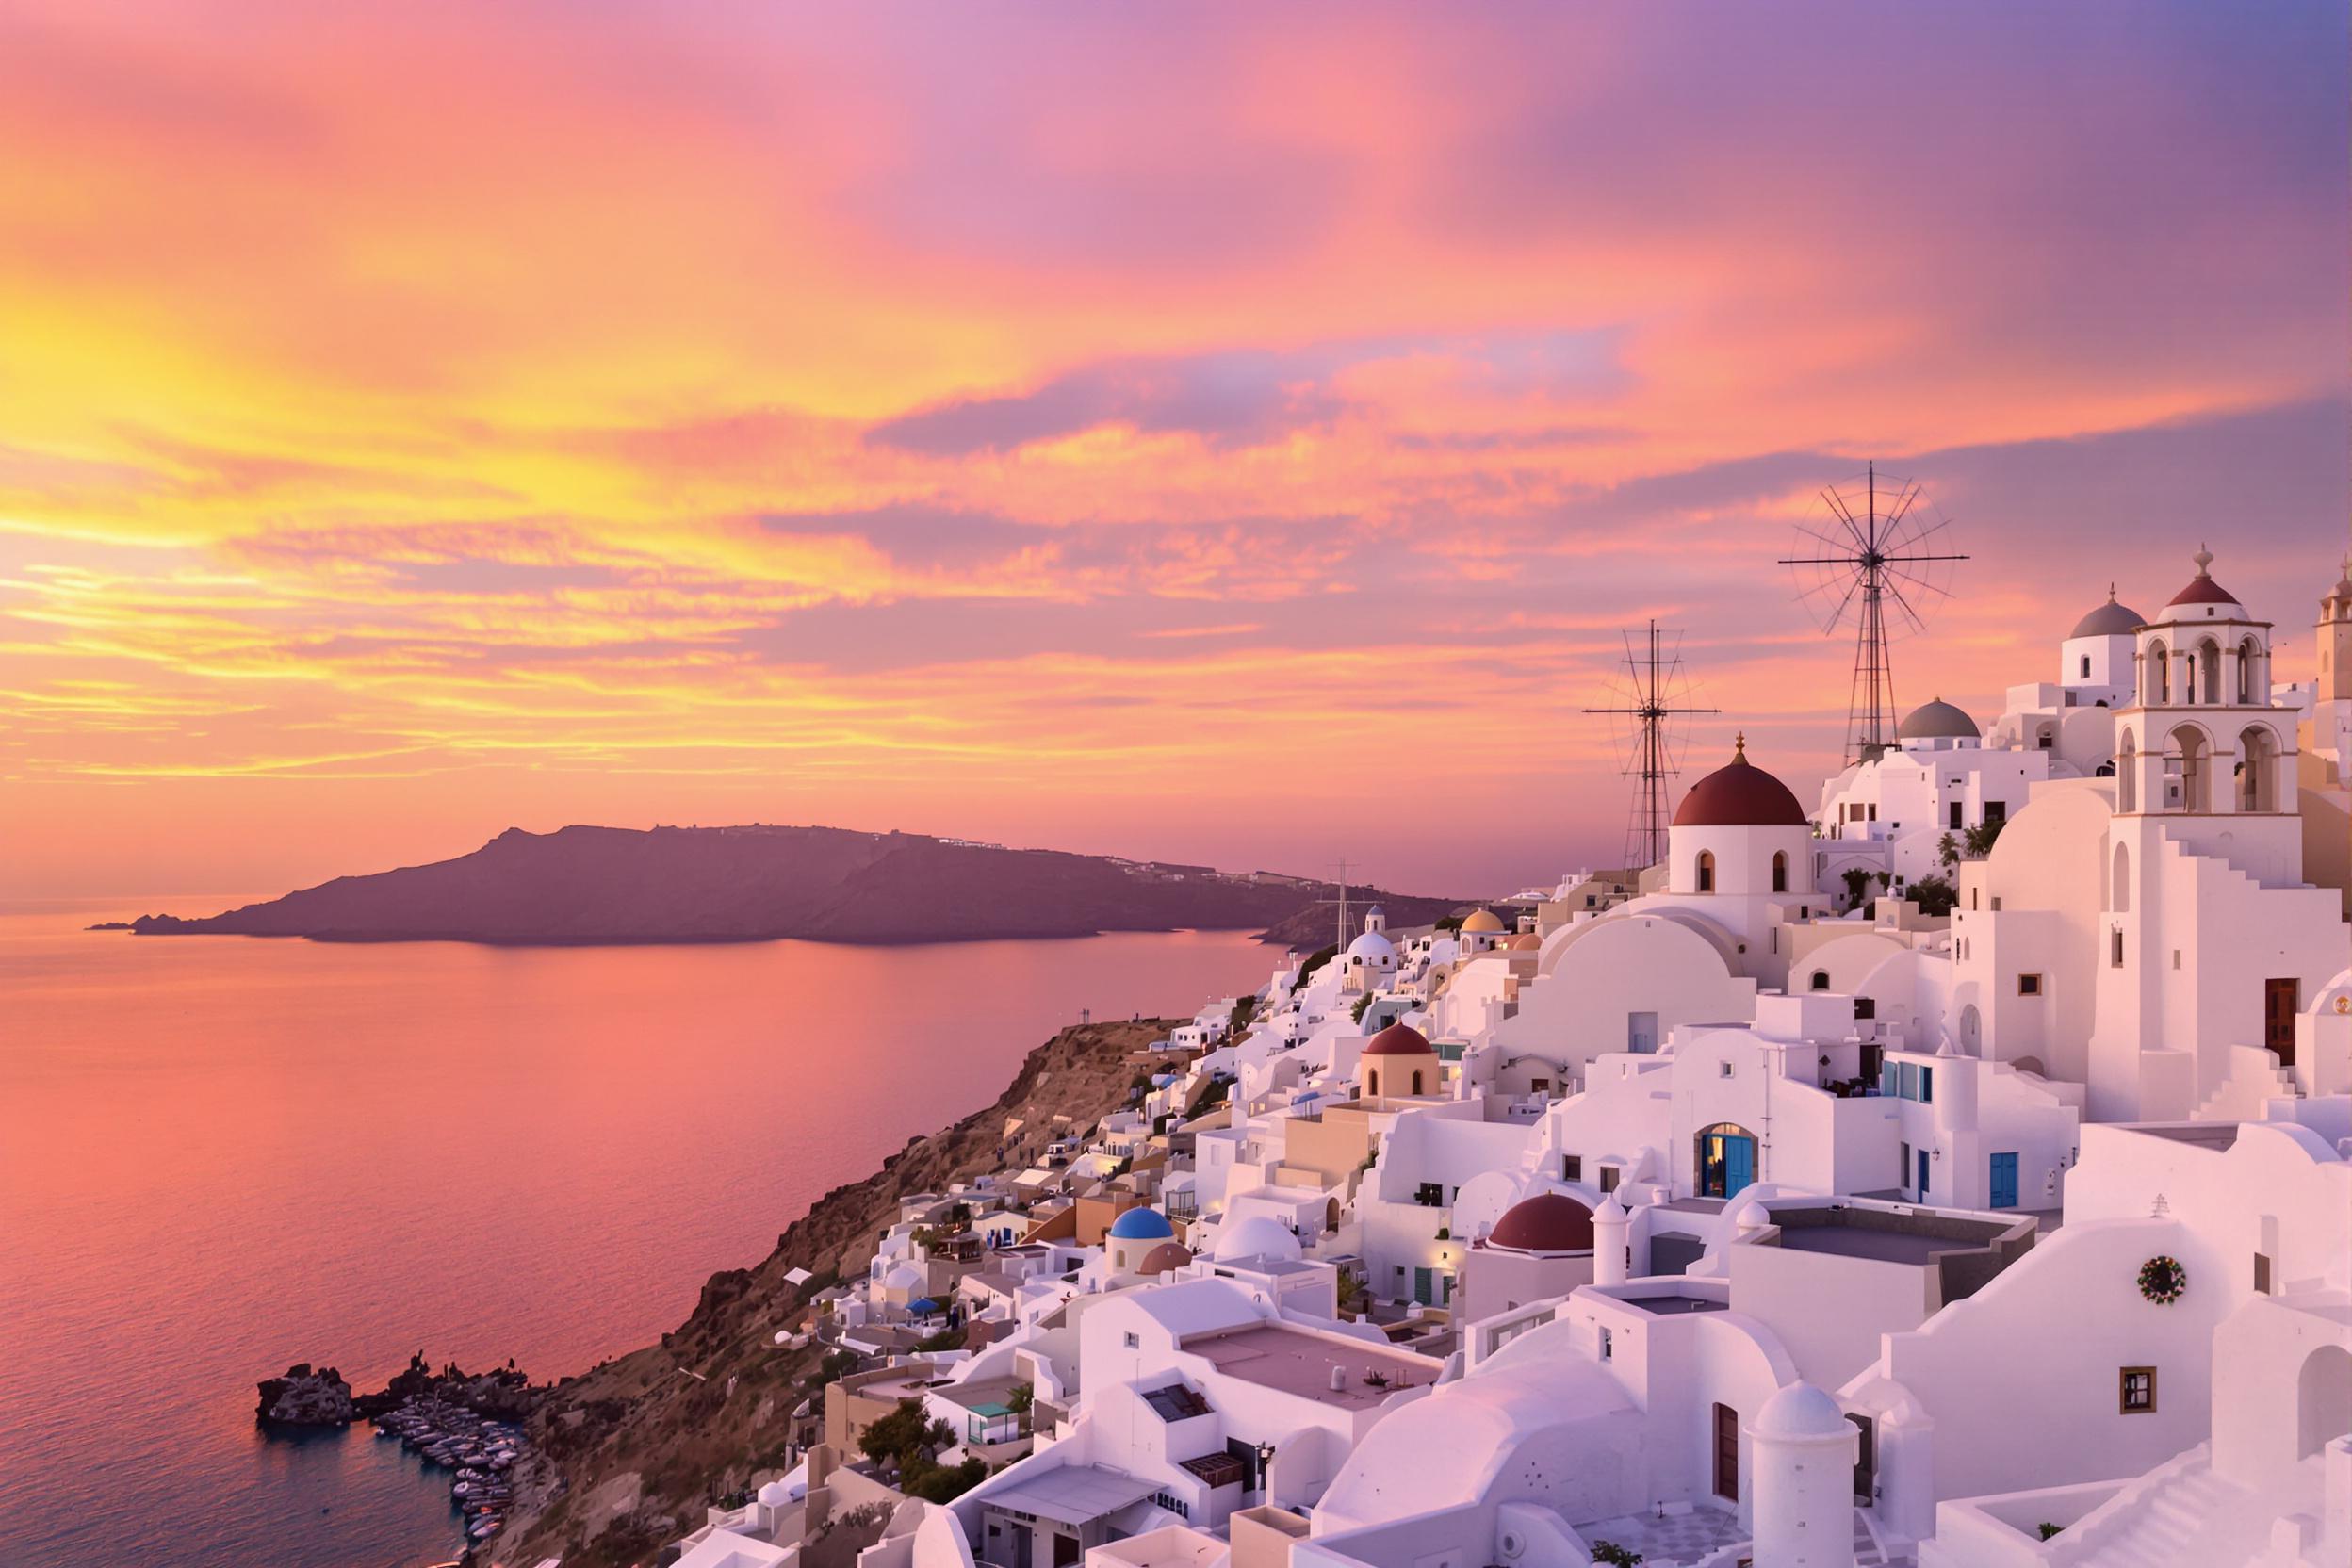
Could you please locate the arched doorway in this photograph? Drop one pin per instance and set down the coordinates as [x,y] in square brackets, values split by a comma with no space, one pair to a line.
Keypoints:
[2205,670]
[1780,871]
[2257,764]
[1726,1160]
[1972,1030]
[2189,744]
[2156,678]
[2323,1399]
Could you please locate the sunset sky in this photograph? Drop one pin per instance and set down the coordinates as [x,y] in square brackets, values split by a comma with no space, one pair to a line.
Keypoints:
[1227,435]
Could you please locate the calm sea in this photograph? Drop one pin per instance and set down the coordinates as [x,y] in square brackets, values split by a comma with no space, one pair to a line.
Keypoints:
[221,1154]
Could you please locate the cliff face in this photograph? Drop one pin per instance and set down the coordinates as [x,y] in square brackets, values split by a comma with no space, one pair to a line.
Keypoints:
[626,1456]
[744,884]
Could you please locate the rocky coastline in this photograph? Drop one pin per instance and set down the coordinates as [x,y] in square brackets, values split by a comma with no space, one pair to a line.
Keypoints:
[470,1424]
[306,1397]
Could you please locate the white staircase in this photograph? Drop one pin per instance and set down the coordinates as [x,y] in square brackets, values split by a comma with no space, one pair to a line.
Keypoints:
[2255,1077]
[2190,1518]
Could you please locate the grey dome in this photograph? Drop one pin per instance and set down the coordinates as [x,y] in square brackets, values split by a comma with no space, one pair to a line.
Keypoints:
[2109,620]
[1938,720]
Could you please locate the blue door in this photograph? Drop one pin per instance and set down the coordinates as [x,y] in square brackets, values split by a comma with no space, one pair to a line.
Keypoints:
[1424,1288]
[1922,1175]
[1738,1165]
[2004,1181]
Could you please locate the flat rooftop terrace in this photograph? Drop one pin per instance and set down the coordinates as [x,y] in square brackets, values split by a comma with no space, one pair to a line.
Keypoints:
[1666,1304]
[2217,1135]
[1298,1362]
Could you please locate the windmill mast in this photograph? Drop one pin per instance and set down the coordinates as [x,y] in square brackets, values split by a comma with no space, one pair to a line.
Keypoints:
[1649,708]
[1863,559]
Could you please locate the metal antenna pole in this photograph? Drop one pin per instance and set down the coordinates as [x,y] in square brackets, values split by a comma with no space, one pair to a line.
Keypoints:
[1649,706]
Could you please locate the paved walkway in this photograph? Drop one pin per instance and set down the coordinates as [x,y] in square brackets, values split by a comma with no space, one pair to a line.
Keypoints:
[1710,1537]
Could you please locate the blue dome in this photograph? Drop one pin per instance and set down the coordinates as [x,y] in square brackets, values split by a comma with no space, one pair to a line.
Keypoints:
[1142,1225]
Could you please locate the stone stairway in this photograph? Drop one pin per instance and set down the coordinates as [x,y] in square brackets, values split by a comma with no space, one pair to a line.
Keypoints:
[2255,1076]
[2191,1519]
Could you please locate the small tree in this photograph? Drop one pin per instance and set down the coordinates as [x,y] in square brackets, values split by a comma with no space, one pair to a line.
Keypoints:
[1857,881]
[899,1437]
[1947,850]
[1978,841]
[1935,895]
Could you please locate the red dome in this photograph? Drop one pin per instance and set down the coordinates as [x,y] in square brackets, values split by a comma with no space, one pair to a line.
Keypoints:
[2203,590]
[1398,1039]
[1740,794]
[1553,1222]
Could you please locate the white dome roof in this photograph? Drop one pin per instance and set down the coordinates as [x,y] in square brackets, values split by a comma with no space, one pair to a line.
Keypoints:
[1800,1411]
[776,1495]
[1258,1236]
[1373,948]
[905,1277]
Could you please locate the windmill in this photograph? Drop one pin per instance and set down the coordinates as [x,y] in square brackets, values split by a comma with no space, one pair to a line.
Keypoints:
[1881,557]
[1653,681]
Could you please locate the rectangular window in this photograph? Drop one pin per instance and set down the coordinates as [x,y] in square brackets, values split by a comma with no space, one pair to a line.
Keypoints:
[1995,811]
[1903,1165]
[1608,1178]
[1888,1084]
[2115,947]
[2137,1391]
[1956,816]
[2261,1274]
[1873,813]
[1573,1168]
[1909,1081]
[1865,1008]
[2029,984]
[1133,1342]
[1927,1085]
[1725,1068]
[1609,1344]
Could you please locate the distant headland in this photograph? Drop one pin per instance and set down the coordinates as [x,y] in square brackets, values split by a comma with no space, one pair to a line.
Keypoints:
[591,886]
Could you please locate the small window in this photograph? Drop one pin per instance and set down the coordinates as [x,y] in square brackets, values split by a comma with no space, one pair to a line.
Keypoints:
[2261,1274]
[1865,1008]
[1608,1178]
[2114,947]
[1927,1085]
[2137,1391]
[1903,1174]
[2029,984]
[1724,1070]
[1609,1344]
[1820,979]
[1956,816]
[1135,1341]
[2086,667]
[1573,1168]
[1873,813]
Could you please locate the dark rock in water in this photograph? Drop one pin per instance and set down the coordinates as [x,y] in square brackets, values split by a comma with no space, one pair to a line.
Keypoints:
[503,1393]
[306,1398]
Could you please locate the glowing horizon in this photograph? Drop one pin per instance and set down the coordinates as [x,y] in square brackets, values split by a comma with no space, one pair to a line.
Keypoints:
[1225,437]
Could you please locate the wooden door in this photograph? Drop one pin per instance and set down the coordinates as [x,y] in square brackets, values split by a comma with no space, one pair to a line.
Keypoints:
[2281,1000]
[1726,1452]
